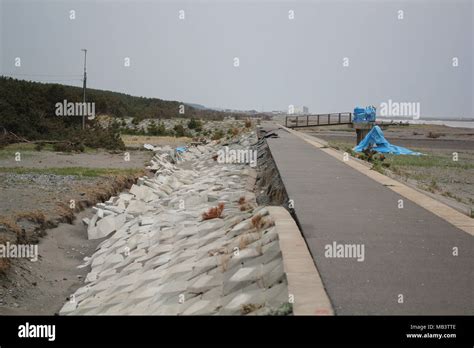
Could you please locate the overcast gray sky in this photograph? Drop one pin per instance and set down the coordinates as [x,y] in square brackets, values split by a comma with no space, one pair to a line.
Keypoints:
[282,61]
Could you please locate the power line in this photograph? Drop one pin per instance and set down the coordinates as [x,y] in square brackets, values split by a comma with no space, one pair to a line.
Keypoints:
[46,75]
[60,80]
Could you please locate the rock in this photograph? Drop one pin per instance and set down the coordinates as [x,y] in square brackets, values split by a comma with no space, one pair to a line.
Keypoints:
[147,221]
[108,225]
[136,207]
[246,274]
[240,228]
[209,226]
[204,283]
[202,307]
[236,306]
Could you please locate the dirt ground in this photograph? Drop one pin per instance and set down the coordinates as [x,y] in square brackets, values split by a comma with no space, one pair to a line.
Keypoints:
[407,136]
[40,188]
[46,188]
[42,184]
[91,159]
[42,287]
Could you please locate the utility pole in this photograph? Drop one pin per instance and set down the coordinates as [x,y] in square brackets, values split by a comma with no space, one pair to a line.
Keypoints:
[84,87]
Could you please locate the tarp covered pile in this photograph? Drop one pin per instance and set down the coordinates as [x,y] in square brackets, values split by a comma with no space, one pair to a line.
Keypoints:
[364,114]
[375,140]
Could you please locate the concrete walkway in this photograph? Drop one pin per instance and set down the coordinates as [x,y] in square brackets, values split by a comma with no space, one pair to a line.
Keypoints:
[408,264]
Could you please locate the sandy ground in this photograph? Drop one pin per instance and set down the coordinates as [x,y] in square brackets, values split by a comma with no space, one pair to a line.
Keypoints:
[95,159]
[411,136]
[137,141]
[44,190]
[42,287]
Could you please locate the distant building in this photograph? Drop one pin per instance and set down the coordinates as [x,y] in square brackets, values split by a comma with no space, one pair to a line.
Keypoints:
[301,110]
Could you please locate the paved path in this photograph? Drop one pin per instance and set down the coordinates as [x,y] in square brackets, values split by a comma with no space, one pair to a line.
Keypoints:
[407,251]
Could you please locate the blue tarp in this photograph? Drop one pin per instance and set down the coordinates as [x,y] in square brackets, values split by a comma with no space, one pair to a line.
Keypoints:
[364,114]
[377,142]
[181,149]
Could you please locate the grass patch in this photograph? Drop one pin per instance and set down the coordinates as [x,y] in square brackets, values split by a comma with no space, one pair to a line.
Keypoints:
[342,146]
[25,147]
[76,171]
[29,150]
[427,161]
[284,309]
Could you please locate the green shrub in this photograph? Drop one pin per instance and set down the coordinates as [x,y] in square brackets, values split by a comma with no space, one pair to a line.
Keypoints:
[218,134]
[179,130]
[157,129]
[195,124]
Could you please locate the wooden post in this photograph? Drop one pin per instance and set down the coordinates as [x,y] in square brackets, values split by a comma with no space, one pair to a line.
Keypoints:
[339,117]
[329,118]
[361,132]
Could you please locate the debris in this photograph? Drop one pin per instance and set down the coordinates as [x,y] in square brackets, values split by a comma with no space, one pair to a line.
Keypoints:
[375,141]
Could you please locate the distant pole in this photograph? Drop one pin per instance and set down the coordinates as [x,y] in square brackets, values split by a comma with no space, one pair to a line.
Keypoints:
[84,87]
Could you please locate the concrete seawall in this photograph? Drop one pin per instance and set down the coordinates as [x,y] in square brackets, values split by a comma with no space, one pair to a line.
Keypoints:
[160,256]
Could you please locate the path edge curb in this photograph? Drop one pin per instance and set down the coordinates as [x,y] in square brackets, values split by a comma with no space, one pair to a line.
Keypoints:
[305,286]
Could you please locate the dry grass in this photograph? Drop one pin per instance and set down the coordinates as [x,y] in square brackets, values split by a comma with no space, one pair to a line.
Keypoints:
[244,206]
[248,123]
[250,307]
[434,135]
[33,216]
[225,262]
[218,251]
[258,221]
[244,241]
[140,140]
[65,212]
[261,222]
[4,262]
[214,212]
[10,225]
